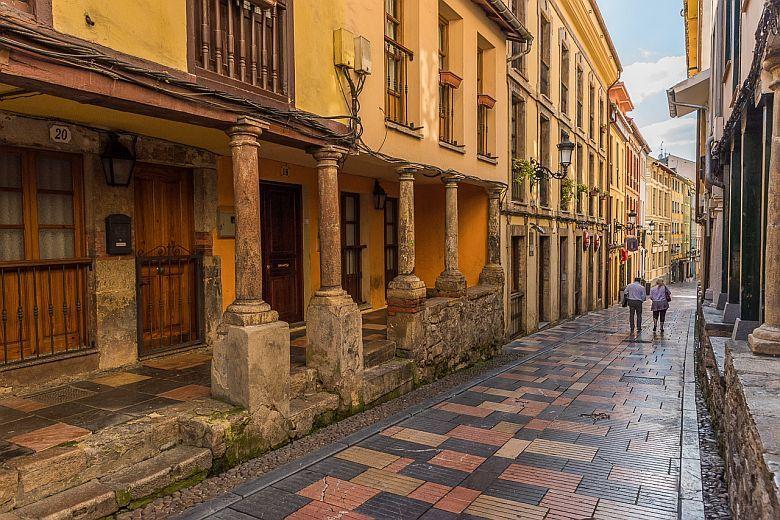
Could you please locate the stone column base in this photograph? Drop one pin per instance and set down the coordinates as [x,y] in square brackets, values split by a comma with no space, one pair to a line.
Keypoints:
[334,330]
[765,340]
[451,284]
[248,313]
[492,274]
[731,312]
[406,293]
[251,367]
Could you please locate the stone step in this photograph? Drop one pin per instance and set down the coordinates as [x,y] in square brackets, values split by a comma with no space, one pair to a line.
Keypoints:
[169,471]
[388,381]
[377,352]
[88,501]
[311,410]
[303,382]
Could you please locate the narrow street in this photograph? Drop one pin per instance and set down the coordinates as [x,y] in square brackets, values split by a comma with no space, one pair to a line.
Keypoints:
[592,423]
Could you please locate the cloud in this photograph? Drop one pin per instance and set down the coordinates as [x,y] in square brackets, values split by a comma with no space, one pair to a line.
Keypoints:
[645,78]
[677,135]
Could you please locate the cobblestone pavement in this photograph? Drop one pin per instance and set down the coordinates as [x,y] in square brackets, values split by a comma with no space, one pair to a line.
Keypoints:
[588,427]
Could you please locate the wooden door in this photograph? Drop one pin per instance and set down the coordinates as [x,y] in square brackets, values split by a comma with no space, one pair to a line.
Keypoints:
[281,240]
[391,240]
[351,248]
[166,267]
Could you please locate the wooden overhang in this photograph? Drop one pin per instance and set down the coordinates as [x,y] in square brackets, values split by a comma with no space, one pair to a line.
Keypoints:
[512,27]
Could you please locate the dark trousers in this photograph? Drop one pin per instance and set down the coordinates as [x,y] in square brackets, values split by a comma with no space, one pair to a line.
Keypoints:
[661,314]
[635,308]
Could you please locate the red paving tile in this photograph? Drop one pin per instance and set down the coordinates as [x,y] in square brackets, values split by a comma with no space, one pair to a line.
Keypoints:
[456,460]
[321,511]
[479,435]
[339,493]
[457,500]
[544,478]
[398,465]
[463,409]
[430,492]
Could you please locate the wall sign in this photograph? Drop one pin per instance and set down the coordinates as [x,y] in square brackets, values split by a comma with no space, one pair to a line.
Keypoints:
[60,134]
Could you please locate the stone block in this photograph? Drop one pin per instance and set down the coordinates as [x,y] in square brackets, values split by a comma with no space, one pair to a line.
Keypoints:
[304,411]
[334,330]
[38,481]
[407,330]
[212,297]
[89,501]
[723,299]
[9,483]
[251,366]
[158,473]
[388,379]
[743,328]
[303,381]
[115,311]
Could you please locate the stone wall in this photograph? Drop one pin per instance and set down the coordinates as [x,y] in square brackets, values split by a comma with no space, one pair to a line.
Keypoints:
[743,395]
[457,332]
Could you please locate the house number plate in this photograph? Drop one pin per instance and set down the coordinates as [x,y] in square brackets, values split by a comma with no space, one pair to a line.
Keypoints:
[60,134]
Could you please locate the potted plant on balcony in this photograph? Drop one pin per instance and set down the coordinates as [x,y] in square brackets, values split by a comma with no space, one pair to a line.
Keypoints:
[568,190]
[581,189]
[523,169]
[595,192]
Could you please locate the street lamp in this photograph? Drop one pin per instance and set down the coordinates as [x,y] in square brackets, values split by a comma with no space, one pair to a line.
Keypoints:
[631,220]
[118,162]
[380,196]
[651,228]
[565,151]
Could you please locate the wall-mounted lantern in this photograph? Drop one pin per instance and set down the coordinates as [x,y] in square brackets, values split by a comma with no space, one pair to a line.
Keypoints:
[565,151]
[118,162]
[380,196]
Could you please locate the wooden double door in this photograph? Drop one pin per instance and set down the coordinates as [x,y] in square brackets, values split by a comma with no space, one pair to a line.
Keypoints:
[168,271]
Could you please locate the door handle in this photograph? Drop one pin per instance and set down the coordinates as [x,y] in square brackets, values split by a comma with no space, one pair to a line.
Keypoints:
[282,266]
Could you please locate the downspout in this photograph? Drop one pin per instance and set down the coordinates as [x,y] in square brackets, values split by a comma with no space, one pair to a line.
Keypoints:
[608,271]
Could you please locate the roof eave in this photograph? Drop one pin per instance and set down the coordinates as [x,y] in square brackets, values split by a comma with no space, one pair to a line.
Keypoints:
[512,27]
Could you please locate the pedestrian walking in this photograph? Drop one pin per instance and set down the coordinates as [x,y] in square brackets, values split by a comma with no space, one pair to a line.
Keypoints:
[633,298]
[660,295]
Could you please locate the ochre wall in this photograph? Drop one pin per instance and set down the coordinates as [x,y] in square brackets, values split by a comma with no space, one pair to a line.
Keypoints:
[151,29]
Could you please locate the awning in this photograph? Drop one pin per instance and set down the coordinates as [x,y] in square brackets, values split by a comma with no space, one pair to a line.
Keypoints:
[690,95]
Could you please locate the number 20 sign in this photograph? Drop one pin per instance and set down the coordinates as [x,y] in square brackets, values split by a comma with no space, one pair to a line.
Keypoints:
[60,134]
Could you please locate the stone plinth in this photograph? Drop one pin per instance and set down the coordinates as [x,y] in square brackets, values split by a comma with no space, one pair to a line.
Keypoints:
[251,367]
[451,284]
[334,330]
[765,340]
[492,274]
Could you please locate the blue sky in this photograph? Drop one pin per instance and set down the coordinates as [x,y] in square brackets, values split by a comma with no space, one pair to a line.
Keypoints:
[650,39]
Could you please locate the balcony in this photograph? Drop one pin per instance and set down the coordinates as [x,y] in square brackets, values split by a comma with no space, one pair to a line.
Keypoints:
[246,44]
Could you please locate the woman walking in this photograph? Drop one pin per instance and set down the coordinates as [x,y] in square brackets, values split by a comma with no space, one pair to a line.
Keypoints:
[660,296]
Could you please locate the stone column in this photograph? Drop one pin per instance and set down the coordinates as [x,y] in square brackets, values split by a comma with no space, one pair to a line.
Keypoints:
[451,283]
[333,320]
[406,293]
[251,359]
[493,273]
[766,338]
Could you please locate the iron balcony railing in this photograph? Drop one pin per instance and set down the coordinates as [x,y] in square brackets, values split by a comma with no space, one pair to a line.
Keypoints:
[43,309]
[244,41]
[397,58]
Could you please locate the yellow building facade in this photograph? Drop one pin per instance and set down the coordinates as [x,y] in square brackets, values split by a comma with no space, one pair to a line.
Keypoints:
[556,238]
[658,221]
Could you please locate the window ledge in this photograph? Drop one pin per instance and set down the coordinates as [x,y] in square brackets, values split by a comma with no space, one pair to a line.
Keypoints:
[487,159]
[411,132]
[457,148]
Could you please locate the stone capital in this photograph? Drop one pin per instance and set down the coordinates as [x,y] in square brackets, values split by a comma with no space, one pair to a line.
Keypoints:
[407,172]
[494,191]
[328,155]
[246,131]
[451,180]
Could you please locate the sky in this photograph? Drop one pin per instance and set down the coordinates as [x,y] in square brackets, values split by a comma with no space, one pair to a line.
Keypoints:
[650,39]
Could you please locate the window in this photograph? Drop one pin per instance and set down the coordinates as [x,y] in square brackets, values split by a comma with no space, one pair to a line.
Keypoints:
[518,142]
[485,104]
[544,58]
[602,129]
[580,164]
[544,159]
[446,90]
[565,79]
[517,264]
[39,207]
[591,111]
[519,9]
[580,96]
[397,58]
[591,183]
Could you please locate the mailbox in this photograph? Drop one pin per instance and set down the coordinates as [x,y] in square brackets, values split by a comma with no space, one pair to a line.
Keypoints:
[118,233]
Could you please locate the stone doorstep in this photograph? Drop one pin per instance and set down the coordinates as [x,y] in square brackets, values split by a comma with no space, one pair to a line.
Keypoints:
[382,380]
[303,382]
[88,501]
[305,410]
[377,352]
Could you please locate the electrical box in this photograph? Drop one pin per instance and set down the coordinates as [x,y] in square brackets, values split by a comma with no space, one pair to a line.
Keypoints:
[118,235]
[344,48]
[362,55]
[226,222]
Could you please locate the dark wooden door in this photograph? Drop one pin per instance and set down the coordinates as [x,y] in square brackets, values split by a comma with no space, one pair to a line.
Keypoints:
[167,269]
[391,240]
[351,248]
[282,249]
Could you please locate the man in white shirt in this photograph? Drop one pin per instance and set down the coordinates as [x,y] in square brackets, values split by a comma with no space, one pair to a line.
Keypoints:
[635,295]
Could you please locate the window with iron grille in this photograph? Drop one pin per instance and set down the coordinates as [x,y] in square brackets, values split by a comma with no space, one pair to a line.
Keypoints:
[591,111]
[518,143]
[580,97]
[544,159]
[565,65]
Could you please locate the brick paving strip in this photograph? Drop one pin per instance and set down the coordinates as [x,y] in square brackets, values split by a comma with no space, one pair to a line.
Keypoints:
[594,424]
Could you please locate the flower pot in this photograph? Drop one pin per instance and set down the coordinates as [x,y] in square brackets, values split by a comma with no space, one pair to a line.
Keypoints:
[486,100]
[449,78]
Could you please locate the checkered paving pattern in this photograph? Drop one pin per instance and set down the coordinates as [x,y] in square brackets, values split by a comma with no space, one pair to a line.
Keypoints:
[560,437]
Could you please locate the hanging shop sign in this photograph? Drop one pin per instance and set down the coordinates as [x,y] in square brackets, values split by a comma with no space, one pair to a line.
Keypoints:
[585,240]
[632,244]
[597,243]
[623,256]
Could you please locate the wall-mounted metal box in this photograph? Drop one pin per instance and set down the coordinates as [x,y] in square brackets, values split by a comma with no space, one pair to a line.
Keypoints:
[119,235]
